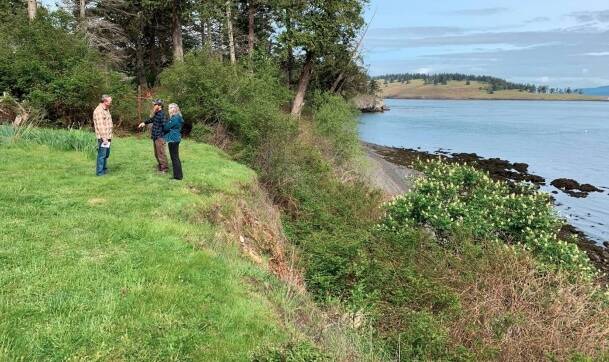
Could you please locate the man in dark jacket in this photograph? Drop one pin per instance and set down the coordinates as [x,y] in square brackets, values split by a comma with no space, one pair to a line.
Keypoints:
[157,120]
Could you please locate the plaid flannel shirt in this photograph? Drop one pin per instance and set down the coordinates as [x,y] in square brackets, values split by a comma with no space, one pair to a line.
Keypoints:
[102,121]
[158,120]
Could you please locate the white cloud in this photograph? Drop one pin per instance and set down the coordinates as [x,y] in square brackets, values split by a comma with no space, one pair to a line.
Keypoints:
[597,54]
[585,71]
[423,70]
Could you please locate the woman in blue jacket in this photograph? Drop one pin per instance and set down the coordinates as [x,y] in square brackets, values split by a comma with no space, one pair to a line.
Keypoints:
[173,136]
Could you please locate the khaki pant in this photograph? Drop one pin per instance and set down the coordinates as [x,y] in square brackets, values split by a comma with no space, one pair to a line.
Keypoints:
[159,153]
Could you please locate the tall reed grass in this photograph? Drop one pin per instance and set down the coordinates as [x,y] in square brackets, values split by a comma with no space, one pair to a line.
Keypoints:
[65,140]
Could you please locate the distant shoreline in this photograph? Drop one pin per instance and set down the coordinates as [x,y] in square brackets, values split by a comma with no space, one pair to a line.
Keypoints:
[459,90]
[424,98]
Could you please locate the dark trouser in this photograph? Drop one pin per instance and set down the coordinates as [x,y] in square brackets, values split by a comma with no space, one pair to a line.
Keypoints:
[176,164]
[102,159]
[159,153]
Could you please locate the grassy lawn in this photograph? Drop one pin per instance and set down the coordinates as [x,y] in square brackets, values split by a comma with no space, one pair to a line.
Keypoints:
[118,267]
[417,89]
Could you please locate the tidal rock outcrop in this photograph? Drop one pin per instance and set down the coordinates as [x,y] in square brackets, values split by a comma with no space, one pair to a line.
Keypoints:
[574,188]
[369,104]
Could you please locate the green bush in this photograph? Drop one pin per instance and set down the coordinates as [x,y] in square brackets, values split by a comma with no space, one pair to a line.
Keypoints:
[200,132]
[336,120]
[46,63]
[248,104]
[458,198]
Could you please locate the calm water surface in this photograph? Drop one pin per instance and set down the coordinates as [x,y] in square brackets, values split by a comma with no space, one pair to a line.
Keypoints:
[556,139]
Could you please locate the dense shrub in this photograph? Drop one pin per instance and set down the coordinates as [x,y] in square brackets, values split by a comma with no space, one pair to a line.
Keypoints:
[248,104]
[48,64]
[456,198]
[200,132]
[336,121]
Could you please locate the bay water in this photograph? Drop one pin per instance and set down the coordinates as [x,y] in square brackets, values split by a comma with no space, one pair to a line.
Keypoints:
[557,139]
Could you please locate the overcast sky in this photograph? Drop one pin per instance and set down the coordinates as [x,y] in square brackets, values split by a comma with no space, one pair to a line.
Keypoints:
[554,42]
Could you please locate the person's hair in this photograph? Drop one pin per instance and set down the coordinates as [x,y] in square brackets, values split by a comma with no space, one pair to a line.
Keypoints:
[105,97]
[174,109]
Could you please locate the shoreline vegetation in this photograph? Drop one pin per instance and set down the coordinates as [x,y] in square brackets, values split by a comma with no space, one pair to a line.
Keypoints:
[461,90]
[498,169]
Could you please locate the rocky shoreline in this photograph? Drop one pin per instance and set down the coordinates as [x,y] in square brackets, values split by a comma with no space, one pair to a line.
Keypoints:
[512,173]
[369,104]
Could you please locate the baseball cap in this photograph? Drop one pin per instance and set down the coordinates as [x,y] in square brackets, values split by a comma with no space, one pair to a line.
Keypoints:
[158,102]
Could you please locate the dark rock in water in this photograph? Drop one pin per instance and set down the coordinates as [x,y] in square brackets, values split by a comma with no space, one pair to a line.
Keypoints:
[589,188]
[565,184]
[535,179]
[555,192]
[465,157]
[369,104]
[573,188]
[521,167]
[606,244]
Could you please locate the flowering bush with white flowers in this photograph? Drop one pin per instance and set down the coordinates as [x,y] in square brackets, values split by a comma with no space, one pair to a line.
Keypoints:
[457,198]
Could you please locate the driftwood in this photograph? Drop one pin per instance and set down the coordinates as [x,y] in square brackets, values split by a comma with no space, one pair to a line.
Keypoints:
[21,119]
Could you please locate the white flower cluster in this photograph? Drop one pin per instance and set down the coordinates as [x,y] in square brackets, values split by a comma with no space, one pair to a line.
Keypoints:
[460,198]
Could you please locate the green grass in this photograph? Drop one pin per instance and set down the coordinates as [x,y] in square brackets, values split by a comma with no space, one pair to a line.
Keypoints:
[118,267]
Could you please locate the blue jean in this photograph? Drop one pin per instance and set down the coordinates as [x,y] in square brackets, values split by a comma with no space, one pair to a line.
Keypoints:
[102,159]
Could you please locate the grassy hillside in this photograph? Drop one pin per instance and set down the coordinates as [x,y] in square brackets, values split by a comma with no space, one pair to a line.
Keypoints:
[122,267]
[417,89]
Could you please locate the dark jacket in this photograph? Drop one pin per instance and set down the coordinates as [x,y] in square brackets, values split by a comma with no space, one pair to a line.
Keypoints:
[157,124]
[173,129]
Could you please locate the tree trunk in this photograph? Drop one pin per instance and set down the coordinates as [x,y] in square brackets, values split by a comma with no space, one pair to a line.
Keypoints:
[82,16]
[81,8]
[31,9]
[337,82]
[139,52]
[229,29]
[208,35]
[250,33]
[176,25]
[202,34]
[303,84]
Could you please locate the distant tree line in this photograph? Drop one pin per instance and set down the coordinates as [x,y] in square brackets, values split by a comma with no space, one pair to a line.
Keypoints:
[493,83]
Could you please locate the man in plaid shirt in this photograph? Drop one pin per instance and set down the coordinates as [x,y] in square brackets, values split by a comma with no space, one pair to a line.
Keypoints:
[102,121]
[158,120]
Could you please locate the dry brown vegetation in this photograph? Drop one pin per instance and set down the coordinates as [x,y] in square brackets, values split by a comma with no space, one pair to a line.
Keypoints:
[516,313]
[251,221]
